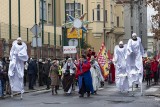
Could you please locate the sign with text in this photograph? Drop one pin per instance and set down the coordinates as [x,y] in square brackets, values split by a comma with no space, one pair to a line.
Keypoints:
[69,49]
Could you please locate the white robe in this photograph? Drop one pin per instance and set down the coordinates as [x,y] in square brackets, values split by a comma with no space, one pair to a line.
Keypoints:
[71,72]
[96,75]
[18,55]
[120,67]
[135,52]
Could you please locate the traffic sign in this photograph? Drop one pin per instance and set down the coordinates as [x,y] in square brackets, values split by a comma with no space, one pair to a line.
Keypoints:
[36,30]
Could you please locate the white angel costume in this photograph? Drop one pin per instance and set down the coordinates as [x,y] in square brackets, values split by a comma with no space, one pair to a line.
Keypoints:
[18,55]
[135,52]
[96,74]
[120,67]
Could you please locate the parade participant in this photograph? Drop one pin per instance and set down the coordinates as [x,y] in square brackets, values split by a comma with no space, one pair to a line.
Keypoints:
[96,73]
[18,55]
[53,74]
[68,76]
[147,68]
[120,64]
[134,55]
[84,77]
[154,69]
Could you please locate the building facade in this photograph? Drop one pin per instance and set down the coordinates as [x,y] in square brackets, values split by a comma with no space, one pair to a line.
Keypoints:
[27,20]
[107,16]
[135,16]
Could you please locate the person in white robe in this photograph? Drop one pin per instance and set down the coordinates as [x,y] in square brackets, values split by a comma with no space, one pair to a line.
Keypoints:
[120,66]
[18,55]
[68,75]
[134,56]
[96,74]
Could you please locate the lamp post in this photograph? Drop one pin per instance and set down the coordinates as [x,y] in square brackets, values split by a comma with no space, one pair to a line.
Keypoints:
[19,18]
[10,20]
[55,26]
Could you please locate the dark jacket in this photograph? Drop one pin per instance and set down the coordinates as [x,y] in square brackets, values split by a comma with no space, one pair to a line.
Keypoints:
[32,67]
[1,74]
[46,68]
[148,68]
[40,67]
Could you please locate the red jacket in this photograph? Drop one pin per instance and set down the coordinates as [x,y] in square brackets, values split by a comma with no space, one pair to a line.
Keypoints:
[154,66]
[85,68]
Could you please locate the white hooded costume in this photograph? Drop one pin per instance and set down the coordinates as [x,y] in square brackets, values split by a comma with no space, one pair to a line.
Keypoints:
[134,55]
[18,55]
[96,74]
[120,66]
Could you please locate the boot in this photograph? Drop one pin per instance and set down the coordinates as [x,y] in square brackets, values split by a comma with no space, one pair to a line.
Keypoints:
[52,91]
[56,88]
[88,94]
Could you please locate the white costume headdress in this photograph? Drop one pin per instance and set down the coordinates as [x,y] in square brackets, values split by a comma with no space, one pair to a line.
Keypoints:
[121,42]
[19,38]
[134,34]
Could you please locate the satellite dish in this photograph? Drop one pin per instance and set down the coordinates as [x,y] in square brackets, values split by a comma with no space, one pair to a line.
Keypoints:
[73,42]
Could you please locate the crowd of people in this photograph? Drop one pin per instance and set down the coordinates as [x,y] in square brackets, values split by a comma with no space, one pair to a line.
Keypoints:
[151,70]
[17,71]
[55,73]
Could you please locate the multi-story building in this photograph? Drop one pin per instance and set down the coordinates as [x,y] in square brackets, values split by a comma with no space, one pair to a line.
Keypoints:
[135,16]
[108,22]
[107,16]
[27,20]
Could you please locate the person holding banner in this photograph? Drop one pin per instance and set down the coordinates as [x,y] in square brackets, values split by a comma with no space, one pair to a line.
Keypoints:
[120,65]
[84,77]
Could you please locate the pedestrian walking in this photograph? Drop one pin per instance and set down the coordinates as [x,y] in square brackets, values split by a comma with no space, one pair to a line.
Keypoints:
[53,74]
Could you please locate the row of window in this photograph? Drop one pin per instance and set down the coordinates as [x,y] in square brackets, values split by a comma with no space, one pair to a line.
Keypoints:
[70,10]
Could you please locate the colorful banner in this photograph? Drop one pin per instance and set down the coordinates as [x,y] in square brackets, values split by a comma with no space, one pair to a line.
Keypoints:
[103,61]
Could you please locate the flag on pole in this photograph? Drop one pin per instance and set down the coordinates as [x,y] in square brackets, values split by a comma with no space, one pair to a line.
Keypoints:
[103,61]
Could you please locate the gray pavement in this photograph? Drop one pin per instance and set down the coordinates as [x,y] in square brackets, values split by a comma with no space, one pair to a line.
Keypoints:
[108,96]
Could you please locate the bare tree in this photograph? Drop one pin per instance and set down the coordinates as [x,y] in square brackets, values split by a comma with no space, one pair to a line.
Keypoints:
[155,18]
